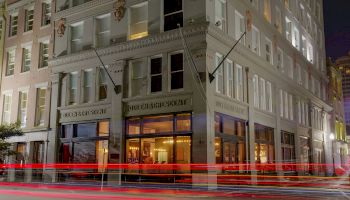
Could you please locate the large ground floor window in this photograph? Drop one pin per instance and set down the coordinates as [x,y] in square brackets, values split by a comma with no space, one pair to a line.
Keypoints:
[85,143]
[288,151]
[305,155]
[264,149]
[230,143]
[161,139]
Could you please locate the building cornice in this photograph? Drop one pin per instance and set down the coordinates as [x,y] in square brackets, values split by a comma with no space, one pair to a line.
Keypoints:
[152,40]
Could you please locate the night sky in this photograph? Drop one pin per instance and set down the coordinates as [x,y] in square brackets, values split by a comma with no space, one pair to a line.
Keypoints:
[337,27]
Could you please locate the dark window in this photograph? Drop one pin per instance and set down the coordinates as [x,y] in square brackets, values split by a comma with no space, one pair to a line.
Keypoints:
[67,131]
[156,74]
[38,152]
[176,62]
[173,14]
[86,130]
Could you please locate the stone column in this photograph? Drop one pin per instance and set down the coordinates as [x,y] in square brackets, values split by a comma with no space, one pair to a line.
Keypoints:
[29,159]
[277,133]
[116,144]
[11,173]
[50,175]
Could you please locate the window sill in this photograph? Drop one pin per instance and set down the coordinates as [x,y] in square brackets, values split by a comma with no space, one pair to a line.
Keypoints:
[43,68]
[27,32]
[26,72]
[45,26]
[9,76]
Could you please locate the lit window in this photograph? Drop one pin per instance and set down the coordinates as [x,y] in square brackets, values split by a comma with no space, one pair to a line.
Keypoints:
[22,108]
[138,23]
[46,13]
[102,84]
[6,115]
[10,62]
[158,124]
[103,26]
[26,59]
[173,14]
[29,20]
[267,10]
[40,106]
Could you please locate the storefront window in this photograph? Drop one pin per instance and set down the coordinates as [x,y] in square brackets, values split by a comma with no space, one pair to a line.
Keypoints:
[102,154]
[218,146]
[67,131]
[183,153]
[264,144]
[86,130]
[134,125]
[84,152]
[228,125]
[158,124]
[157,150]
[240,129]
[103,128]
[132,151]
[183,122]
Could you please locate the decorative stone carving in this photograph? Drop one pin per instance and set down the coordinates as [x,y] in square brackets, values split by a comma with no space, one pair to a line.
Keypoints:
[61,27]
[119,10]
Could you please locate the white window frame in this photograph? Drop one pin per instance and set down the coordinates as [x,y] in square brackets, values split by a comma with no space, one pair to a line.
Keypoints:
[6,112]
[268,55]
[239,30]
[220,21]
[239,82]
[262,94]
[256,90]
[256,44]
[268,96]
[77,39]
[87,86]
[229,72]
[40,108]
[29,22]
[11,61]
[145,21]
[219,74]
[25,59]
[105,33]
[13,30]
[23,111]
[289,28]
[70,88]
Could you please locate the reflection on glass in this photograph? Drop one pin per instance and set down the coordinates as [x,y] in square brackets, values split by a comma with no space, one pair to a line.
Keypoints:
[233,153]
[84,152]
[240,129]
[228,125]
[226,152]
[217,124]
[103,128]
[183,153]
[218,147]
[102,154]
[86,130]
[134,126]
[20,156]
[132,148]
[183,122]
[67,131]
[158,124]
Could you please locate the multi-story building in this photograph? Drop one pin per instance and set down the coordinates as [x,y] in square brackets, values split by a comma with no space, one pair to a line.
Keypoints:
[25,78]
[2,28]
[339,145]
[155,103]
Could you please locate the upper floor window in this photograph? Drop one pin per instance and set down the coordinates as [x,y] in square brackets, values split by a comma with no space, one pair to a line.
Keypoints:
[103,30]
[268,96]
[77,31]
[268,51]
[102,84]
[26,59]
[173,14]
[44,54]
[46,13]
[6,113]
[296,37]
[220,14]
[289,67]
[278,23]
[310,52]
[262,93]
[239,26]
[29,19]
[79,2]
[40,106]
[87,85]
[10,62]
[156,74]
[13,25]
[287,4]
[138,23]
[267,10]
[255,3]
[280,65]
[239,82]
[255,40]
[256,90]
[73,88]
[138,77]
[219,75]
[22,108]
[304,46]
[176,71]
[288,29]
[229,78]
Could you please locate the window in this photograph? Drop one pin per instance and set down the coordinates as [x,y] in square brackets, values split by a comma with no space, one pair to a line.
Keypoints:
[299,75]
[40,106]
[281,104]
[138,23]
[6,113]
[44,55]
[255,3]
[306,79]
[267,10]
[309,23]
[103,30]
[13,25]
[291,113]
[296,38]
[303,46]
[220,14]
[288,29]
[278,23]
[26,59]
[256,90]
[299,112]
[10,62]
[310,53]
[239,26]
[268,96]
[288,147]
[87,86]
[73,88]
[256,40]
[268,51]
[239,82]
[102,84]
[280,65]
[229,78]
[264,144]
[38,153]
[173,14]
[29,19]
[46,13]
[287,4]
[286,105]
[262,94]
[138,77]
[176,71]
[22,108]
[289,67]
[156,74]
[77,31]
